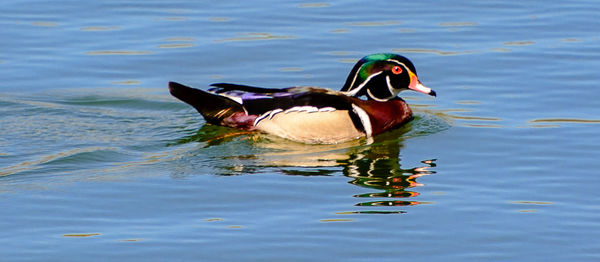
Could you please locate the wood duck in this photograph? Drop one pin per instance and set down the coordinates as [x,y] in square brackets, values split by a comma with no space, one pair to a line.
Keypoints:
[311,114]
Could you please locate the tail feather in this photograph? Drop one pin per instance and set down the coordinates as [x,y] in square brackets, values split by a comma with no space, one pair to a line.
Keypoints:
[214,108]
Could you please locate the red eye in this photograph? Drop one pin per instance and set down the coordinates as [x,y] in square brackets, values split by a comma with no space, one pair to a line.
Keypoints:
[397,70]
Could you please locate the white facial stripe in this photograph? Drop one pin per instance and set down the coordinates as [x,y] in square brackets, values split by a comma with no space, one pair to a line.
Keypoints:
[355,76]
[393,91]
[378,99]
[364,119]
[358,88]
[399,63]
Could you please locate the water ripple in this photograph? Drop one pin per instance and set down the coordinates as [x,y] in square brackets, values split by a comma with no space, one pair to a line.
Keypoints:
[433,51]
[118,52]
[565,120]
[77,156]
[255,37]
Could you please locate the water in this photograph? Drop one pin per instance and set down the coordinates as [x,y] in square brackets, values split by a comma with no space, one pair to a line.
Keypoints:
[98,162]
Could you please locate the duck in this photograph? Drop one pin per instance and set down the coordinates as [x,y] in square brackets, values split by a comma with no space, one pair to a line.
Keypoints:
[367,104]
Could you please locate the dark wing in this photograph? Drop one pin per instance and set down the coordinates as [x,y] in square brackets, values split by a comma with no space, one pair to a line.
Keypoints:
[258,100]
[224,87]
[261,105]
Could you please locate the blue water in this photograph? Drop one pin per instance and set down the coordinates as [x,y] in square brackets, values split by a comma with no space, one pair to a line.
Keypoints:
[99,163]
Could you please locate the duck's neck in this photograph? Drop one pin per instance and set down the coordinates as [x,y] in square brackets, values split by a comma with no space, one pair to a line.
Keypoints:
[386,115]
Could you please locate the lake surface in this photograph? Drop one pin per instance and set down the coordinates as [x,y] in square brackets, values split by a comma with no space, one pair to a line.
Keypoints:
[99,163]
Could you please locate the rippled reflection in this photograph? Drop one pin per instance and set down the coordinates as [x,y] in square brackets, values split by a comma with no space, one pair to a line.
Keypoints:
[371,164]
[380,170]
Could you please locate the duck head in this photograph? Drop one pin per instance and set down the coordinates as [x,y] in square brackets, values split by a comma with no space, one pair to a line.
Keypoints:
[382,76]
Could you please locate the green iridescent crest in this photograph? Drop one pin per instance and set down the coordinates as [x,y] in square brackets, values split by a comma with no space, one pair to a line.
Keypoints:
[369,62]
[375,57]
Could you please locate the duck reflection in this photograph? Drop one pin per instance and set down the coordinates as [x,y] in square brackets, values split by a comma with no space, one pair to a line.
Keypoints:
[373,165]
[377,167]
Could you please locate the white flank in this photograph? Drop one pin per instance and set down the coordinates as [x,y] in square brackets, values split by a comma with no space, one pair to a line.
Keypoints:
[364,119]
[308,109]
